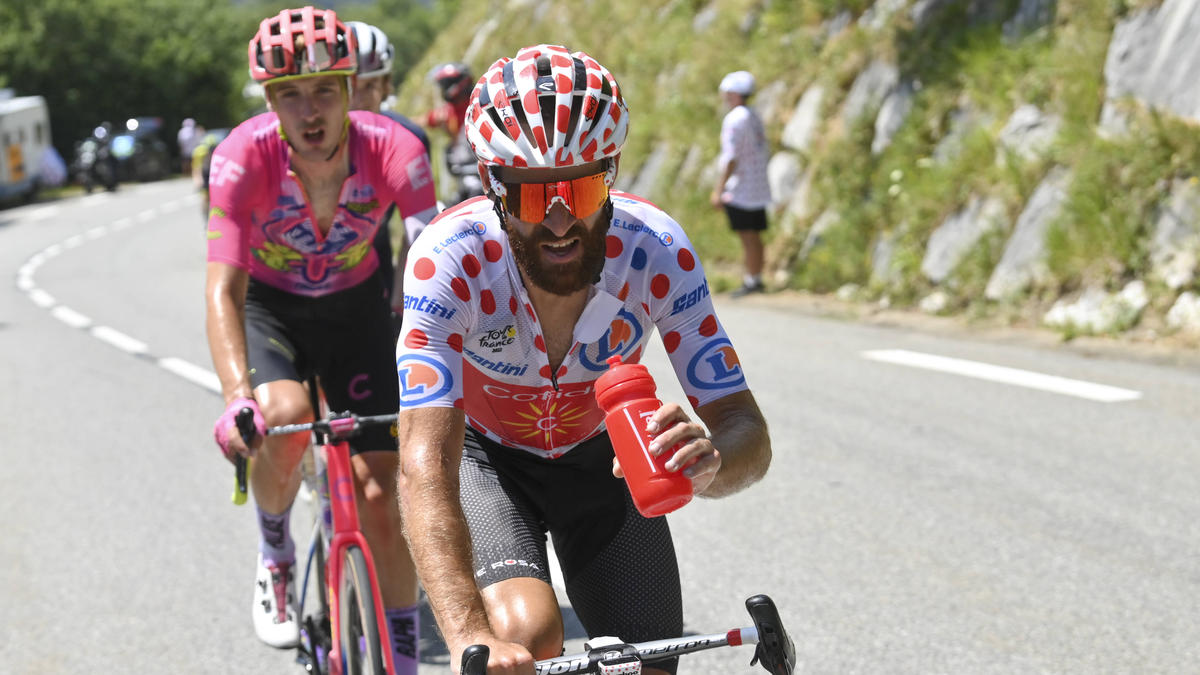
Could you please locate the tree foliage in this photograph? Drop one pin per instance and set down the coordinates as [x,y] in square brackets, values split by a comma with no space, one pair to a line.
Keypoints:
[115,59]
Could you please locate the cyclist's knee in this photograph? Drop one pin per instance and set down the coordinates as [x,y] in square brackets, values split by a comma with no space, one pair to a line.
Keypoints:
[376,484]
[525,611]
[284,402]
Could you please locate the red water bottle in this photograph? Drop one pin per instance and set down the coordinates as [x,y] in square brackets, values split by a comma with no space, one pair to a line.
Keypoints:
[626,393]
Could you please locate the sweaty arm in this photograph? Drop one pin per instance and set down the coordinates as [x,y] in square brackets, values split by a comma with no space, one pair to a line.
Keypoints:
[739,433]
[431,442]
[225,299]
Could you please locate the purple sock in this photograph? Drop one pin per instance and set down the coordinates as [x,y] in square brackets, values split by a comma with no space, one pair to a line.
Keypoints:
[405,632]
[275,537]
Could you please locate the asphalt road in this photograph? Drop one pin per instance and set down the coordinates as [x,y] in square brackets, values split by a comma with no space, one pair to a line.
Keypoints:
[913,521]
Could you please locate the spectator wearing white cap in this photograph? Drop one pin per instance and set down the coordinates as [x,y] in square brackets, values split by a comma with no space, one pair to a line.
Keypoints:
[187,137]
[742,188]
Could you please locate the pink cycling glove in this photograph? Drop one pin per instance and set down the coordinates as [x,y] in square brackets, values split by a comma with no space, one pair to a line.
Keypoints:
[228,421]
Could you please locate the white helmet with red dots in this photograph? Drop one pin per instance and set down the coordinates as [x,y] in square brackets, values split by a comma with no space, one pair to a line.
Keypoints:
[546,108]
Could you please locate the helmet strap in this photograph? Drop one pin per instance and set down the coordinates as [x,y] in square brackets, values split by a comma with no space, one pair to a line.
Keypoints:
[341,141]
[498,207]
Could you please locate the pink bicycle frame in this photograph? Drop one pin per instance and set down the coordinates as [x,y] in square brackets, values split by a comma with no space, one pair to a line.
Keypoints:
[344,510]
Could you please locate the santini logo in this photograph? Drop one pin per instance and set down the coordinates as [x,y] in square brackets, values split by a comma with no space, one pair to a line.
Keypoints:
[428,306]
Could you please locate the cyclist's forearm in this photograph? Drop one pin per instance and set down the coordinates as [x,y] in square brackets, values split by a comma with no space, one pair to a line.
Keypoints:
[439,539]
[739,433]
[430,449]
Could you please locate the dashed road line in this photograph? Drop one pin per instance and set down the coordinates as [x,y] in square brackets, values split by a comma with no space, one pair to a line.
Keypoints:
[1005,375]
[119,340]
[70,317]
[25,282]
[192,373]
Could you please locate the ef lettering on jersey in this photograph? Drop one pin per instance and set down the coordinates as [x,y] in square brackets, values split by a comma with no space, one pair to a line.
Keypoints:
[224,170]
[418,173]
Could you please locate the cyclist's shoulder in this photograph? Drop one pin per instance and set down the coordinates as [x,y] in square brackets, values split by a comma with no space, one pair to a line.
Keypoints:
[635,217]
[469,228]
[257,136]
[412,127]
[376,133]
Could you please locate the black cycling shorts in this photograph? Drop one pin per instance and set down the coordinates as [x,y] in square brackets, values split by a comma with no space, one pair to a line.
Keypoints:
[344,338]
[746,219]
[619,567]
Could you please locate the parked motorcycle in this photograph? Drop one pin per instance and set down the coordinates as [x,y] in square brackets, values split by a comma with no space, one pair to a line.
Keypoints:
[94,164]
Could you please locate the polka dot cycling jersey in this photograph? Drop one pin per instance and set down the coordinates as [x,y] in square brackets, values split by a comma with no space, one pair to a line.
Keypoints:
[260,218]
[471,339]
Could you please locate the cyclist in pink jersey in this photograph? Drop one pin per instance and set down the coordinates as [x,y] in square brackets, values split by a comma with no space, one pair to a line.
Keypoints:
[513,302]
[294,289]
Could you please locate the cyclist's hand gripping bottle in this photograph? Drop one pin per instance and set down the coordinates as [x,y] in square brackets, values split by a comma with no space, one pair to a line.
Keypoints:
[626,393]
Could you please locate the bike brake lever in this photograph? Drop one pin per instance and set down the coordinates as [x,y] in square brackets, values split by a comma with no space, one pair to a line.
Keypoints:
[245,425]
[474,660]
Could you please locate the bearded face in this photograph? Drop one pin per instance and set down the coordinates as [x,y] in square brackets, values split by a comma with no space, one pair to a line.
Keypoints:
[561,265]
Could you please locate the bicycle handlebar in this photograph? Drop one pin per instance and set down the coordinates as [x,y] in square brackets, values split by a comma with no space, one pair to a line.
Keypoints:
[336,426]
[774,652]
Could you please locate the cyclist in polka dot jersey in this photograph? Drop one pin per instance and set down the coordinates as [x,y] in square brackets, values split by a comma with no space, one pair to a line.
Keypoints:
[513,304]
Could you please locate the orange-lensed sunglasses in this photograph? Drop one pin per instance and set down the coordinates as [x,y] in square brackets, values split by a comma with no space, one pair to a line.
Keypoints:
[532,201]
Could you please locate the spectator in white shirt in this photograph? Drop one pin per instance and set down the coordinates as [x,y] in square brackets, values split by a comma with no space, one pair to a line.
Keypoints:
[742,188]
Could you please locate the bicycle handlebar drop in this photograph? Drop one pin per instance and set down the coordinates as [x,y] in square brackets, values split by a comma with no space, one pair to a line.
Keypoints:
[245,425]
[334,427]
[774,651]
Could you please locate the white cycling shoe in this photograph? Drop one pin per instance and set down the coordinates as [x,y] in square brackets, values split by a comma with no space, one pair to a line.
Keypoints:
[275,605]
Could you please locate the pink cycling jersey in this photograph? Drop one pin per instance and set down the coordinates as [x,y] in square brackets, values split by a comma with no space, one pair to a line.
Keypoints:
[260,219]
[471,339]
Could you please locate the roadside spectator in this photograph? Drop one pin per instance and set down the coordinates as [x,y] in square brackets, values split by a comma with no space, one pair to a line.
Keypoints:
[742,187]
[54,170]
[187,137]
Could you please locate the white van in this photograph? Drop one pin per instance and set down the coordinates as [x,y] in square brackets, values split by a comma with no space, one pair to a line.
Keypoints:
[24,137]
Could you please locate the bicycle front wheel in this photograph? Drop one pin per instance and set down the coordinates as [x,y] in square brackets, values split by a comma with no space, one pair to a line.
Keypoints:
[361,643]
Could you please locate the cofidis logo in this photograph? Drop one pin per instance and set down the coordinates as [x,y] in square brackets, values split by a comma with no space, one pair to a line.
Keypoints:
[715,366]
[622,337]
[422,380]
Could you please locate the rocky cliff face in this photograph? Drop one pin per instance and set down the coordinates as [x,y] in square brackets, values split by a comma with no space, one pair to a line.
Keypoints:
[1151,60]
[945,154]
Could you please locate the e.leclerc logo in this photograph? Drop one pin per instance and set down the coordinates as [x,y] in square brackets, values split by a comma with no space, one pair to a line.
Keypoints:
[715,366]
[622,337]
[422,379]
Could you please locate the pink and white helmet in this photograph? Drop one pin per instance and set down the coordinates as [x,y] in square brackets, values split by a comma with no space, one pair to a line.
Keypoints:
[547,107]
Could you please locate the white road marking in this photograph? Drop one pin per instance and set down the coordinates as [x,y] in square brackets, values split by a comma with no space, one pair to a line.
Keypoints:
[192,373]
[1014,376]
[41,298]
[119,340]
[70,317]
[44,213]
[130,345]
